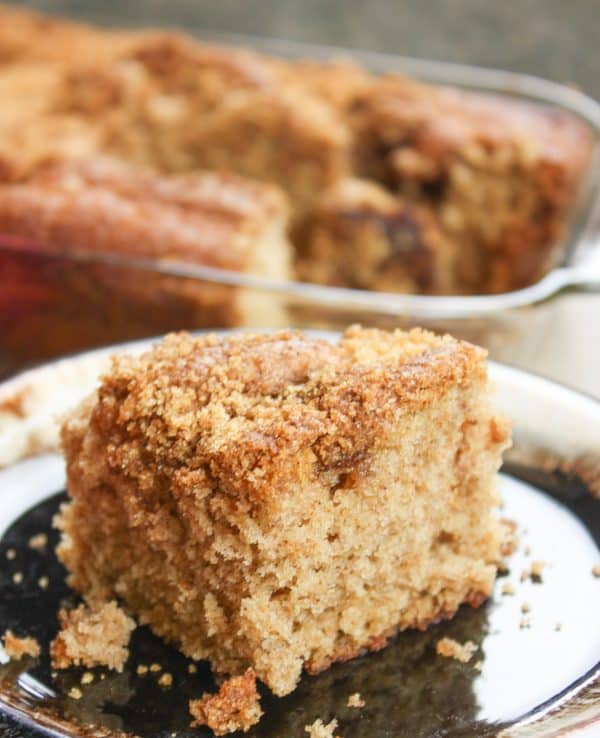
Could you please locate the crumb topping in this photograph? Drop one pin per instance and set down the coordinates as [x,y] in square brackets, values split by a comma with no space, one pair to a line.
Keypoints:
[236,706]
[208,403]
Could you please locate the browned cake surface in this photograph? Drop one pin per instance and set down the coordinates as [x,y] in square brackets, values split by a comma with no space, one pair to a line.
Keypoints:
[91,637]
[499,175]
[236,706]
[278,501]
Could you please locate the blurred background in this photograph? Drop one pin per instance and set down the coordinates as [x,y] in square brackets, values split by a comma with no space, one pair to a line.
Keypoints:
[552,39]
[556,39]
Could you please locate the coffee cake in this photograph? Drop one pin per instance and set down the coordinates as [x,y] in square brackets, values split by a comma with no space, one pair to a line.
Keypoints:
[107,209]
[497,176]
[362,236]
[279,502]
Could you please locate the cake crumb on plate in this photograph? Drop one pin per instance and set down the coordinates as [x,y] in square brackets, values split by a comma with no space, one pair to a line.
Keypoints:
[16,647]
[38,541]
[166,679]
[319,730]
[92,637]
[236,706]
[450,648]
[355,700]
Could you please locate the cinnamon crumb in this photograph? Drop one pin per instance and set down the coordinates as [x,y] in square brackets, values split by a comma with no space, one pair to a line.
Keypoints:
[38,541]
[450,648]
[92,637]
[355,700]
[537,568]
[236,706]
[16,647]
[166,679]
[319,730]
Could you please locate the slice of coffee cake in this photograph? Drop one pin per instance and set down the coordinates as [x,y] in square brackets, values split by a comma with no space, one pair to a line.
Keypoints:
[279,502]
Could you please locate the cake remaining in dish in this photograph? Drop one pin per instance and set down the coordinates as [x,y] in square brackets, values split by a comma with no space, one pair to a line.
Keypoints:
[362,236]
[498,175]
[105,208]
[279,502]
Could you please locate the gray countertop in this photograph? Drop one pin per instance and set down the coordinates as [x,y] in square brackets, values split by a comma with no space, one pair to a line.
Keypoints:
[554,39]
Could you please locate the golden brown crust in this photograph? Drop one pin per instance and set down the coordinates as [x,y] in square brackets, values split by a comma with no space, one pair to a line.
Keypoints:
[313,394]
[104,206]
[236,706]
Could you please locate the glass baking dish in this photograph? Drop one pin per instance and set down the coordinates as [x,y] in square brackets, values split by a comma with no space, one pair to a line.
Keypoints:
[52,303]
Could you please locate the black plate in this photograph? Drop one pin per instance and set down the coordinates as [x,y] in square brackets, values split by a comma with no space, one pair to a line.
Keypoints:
[525,661]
